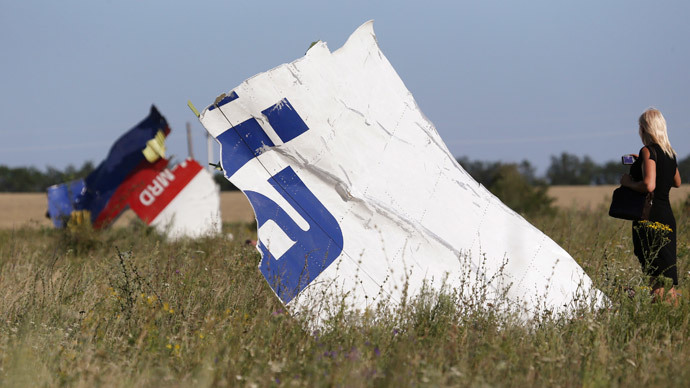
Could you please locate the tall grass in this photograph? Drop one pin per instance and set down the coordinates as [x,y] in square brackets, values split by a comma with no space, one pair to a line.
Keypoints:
[125,308]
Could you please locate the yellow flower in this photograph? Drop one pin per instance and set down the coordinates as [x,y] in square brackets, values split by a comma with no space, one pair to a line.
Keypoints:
[656,226]
[169,346]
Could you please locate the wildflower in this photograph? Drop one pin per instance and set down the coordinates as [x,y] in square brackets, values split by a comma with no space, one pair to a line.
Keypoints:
[658,226]
[177,346]
[654,236]
[201,335]
[169,346]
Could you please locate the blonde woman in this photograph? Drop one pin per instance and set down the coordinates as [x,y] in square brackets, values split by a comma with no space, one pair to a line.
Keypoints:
[655,170]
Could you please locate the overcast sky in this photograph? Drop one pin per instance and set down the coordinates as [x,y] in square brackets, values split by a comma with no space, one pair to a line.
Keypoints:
[501,80]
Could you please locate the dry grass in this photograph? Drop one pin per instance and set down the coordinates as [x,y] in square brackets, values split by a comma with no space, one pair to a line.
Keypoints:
[29,209]
[591,197]
[125,308]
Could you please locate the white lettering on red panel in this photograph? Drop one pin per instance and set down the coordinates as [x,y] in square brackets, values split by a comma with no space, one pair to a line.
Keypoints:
[156,188]
[162,188]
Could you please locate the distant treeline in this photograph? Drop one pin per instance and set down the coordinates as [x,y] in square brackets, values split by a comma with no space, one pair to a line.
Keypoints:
[565,169]
[31,179]
[519,187]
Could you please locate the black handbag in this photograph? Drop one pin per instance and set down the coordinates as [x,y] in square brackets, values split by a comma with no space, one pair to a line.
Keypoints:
[628,204]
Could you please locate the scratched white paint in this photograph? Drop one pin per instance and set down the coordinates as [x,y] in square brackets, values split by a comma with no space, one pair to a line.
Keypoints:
[408,213]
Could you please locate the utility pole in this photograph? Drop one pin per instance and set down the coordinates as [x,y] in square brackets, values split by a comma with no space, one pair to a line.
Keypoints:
[209,152]
[190,149]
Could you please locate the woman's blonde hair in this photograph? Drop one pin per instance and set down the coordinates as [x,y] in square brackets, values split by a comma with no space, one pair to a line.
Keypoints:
[653,131]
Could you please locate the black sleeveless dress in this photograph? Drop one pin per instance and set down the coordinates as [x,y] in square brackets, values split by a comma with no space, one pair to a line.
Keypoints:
[665,262]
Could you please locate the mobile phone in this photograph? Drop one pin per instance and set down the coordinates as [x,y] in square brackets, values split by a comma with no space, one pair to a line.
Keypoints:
[628,159]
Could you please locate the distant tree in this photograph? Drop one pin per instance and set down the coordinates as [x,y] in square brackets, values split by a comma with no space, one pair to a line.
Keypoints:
[224,184]
[514,189]
[528,172]
[483,172]
[516,185]
[21,179]
[568,169]
[31,179]
[610,173]
[486,173]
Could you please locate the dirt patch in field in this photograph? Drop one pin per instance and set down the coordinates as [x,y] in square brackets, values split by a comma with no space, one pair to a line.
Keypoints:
[21,209]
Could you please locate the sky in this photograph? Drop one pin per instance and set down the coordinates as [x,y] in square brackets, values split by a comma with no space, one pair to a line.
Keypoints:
[501,80]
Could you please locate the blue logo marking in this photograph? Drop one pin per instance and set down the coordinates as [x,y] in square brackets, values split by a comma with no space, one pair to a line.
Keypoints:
[315,248]
[241,144]
[285,120]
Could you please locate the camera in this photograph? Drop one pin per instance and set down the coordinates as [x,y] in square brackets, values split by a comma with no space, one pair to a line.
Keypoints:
[628,159]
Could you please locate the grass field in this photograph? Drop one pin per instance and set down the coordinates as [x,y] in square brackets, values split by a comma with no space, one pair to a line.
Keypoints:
[125,308]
